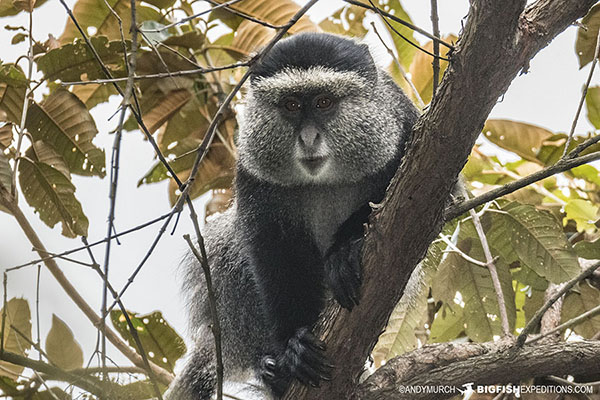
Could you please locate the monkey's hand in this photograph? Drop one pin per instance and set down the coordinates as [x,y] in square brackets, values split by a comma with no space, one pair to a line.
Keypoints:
[344,273]
[303,358]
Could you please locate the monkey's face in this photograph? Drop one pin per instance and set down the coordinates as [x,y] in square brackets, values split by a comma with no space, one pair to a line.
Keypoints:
[315,126]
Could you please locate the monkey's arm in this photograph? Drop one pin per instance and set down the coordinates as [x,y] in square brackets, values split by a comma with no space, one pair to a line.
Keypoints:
[343,272]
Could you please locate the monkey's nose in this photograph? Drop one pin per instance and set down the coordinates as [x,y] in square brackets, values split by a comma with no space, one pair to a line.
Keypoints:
[309,137]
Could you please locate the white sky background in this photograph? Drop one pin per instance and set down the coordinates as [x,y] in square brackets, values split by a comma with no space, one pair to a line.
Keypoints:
[546,96]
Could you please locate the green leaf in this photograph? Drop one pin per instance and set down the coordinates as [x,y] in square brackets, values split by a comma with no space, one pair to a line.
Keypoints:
[95,14]
[191,40]
[528,277]
[588,173]
[50,191]
[592,102]
[533,302]
[583,212]
[5,173]
[448,324]
[63,121]
[161,4]
[13,85]
[585,45]
[520,138]
[18,38]
[576,304]
[399,335]
[588,250]
[474,284]
[404,50]
[61,346]
[17,316]
[160,341]
[75,61]
[535,237]
[153,32]
[553,147]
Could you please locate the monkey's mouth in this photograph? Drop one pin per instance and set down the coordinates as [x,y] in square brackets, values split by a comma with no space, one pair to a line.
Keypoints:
[313,164]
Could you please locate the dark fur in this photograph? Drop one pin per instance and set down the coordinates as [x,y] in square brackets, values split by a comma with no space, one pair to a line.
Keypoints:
[286,243]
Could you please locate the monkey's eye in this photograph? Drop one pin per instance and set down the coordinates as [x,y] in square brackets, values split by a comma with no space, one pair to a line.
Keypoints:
[292,105]
[323,103]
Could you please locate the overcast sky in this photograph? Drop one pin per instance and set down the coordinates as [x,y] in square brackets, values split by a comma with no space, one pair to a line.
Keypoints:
[546,96]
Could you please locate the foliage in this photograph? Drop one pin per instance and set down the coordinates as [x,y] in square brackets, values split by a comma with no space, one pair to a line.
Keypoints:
[536,234]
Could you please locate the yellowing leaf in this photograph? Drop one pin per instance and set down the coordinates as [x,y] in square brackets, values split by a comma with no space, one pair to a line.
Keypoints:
[583,212]
[96,14]
[165,109]
[346,21]
[24,5]
[162,344]
[51,192]
[61,346]
[421,69]
[275,12]
[64,121]
[17,316]
[216,172]
[522,139]
[13,85]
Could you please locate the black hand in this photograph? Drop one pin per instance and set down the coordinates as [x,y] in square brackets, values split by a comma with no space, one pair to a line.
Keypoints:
[343,273]
[303,358]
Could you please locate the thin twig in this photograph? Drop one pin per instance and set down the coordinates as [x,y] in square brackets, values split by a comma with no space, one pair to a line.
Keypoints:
[535,320]
[8,201]
[435,22]
[114,178]
[92,386]
[378,11]
[400,21]
[159,75]
[87,245]
[191,17]
[28,92]
[400,68]
[215,326]
[489,263]
[573,321]
[461,253]
[583,94]
[247,16]
[563,165]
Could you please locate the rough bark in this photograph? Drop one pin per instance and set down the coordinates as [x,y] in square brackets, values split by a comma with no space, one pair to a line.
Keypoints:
[450,364]
[499,39]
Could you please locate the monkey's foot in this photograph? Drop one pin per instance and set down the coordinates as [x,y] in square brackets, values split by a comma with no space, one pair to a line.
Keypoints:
[304,359]
[344,273]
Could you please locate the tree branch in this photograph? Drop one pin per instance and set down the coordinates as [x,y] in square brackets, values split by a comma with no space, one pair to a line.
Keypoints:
[499,39]
[7,201]
[479,363]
